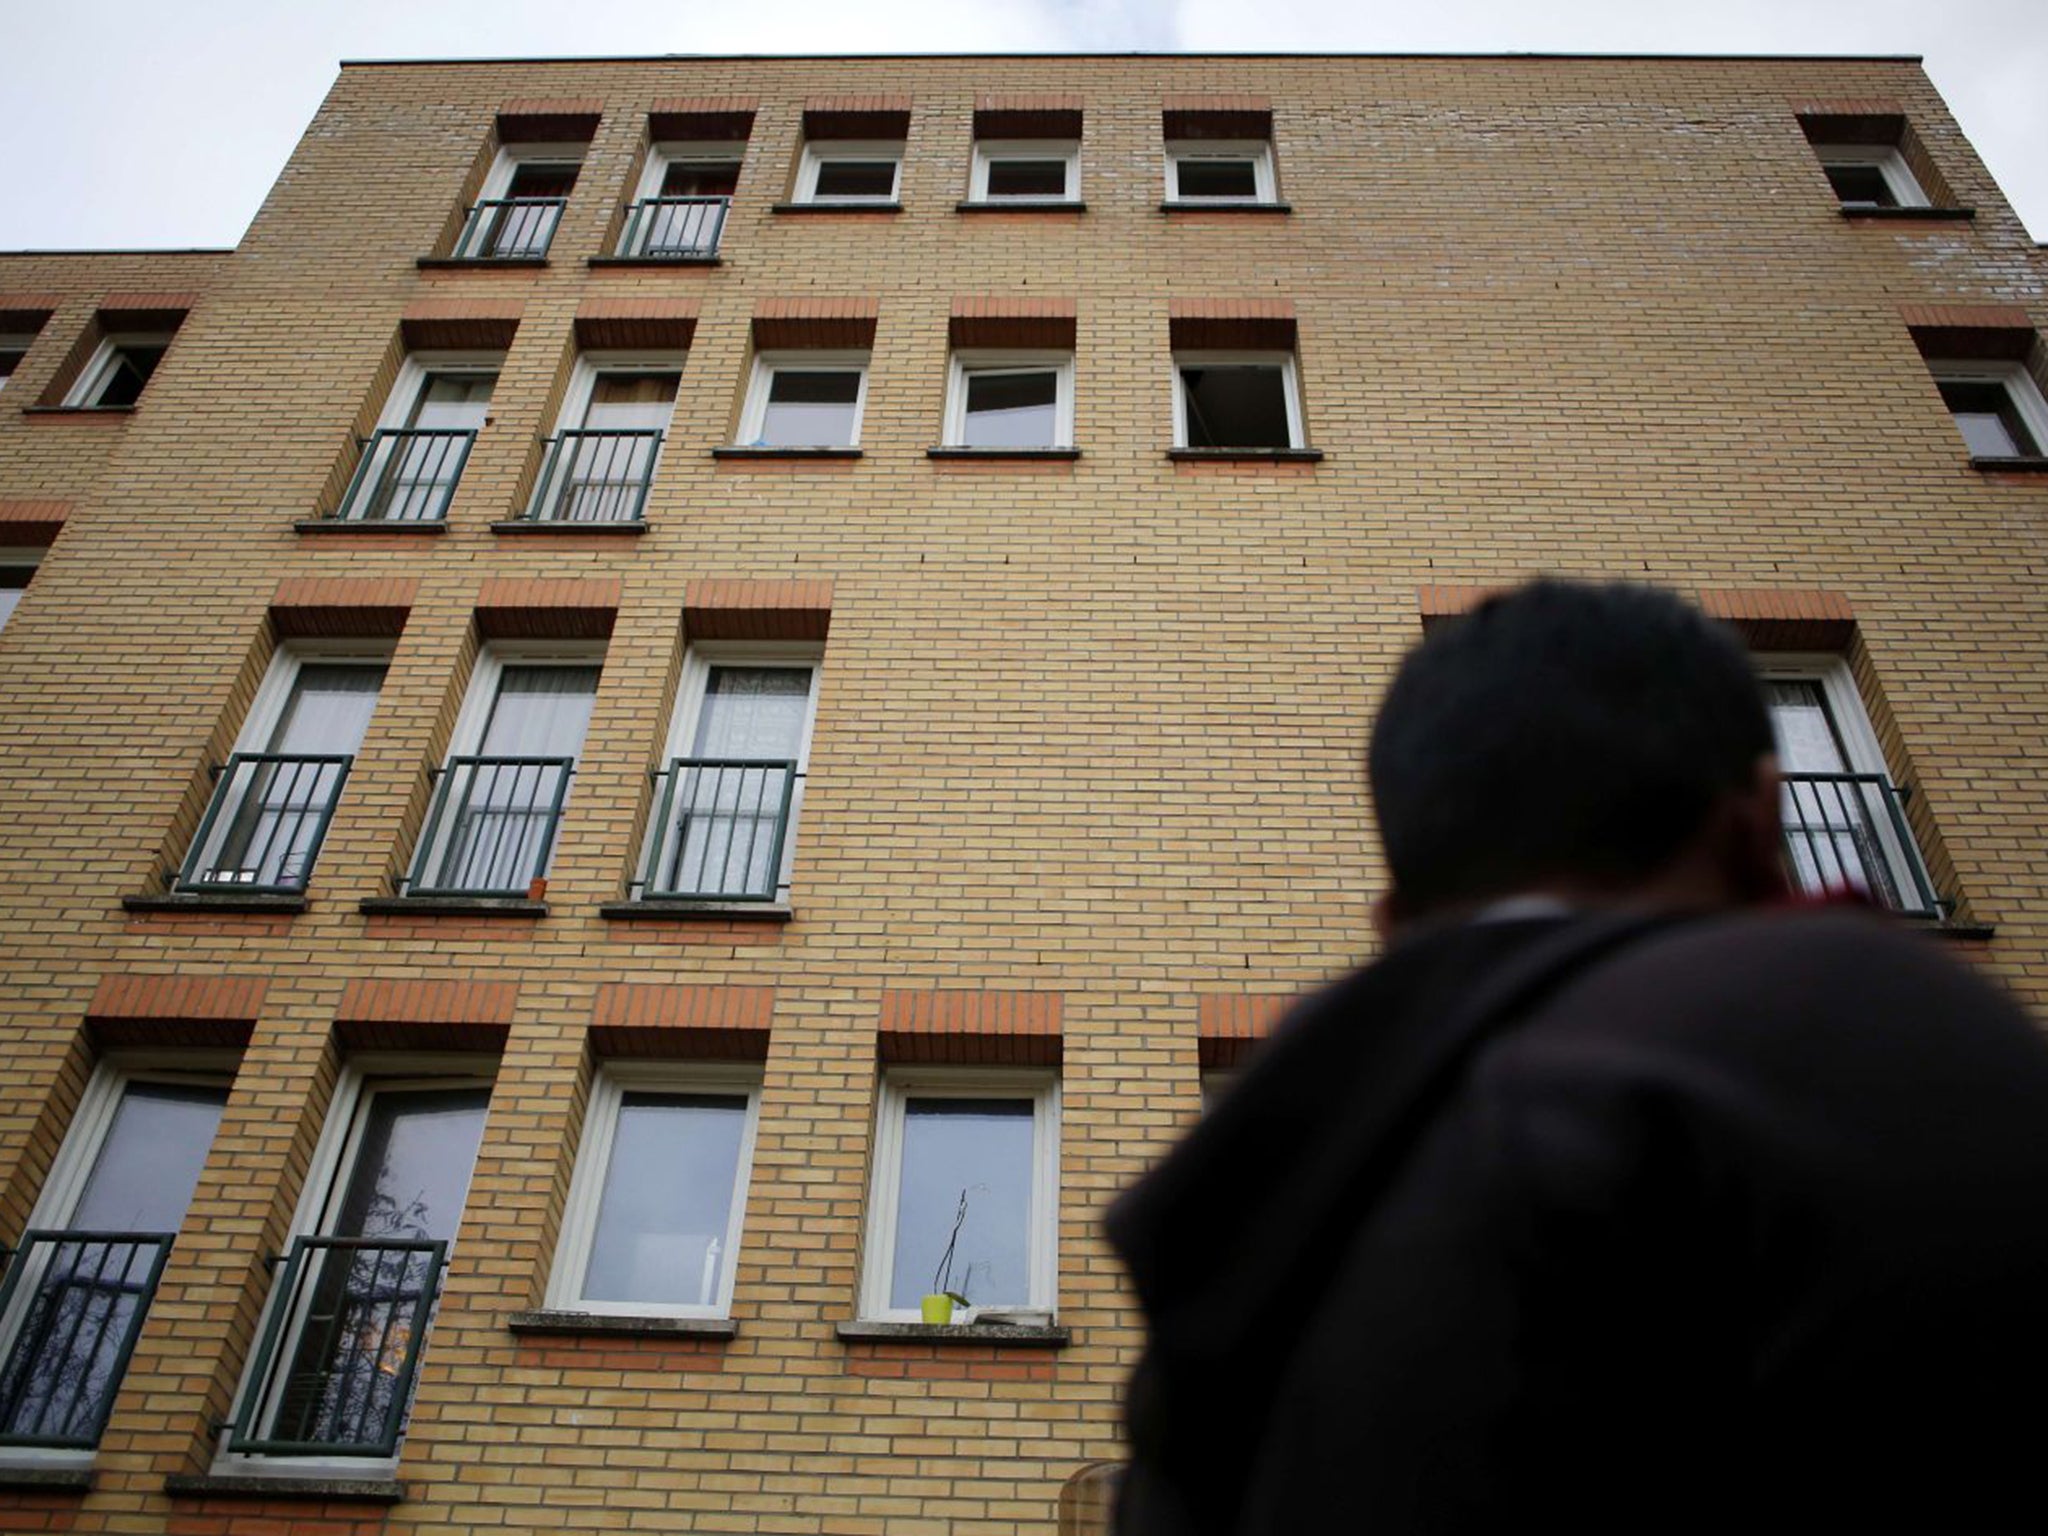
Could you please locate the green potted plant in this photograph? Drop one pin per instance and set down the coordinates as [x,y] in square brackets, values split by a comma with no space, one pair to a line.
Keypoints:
[937,1306]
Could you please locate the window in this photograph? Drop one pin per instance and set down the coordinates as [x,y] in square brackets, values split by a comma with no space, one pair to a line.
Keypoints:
[413,461]
[17,567]
[498,799]
[274,799]
[84,1272]
[1220,171]
[602,457]
[680,204]
[1001,400]
[731,788]
[118,371]
[339,1347]
[521,203]
[1870,176]
[13,348]
[1236,400]
[1845,826]
[850,171]
[1997,406]
[805,400]
[1026,171]
[965,1193]
[659,1197]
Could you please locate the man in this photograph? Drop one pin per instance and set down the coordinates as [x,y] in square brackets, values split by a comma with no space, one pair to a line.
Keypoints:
[1622,1193]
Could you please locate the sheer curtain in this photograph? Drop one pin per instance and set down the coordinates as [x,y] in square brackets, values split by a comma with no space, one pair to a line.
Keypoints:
[728,815]
[1833,828]
[505,799]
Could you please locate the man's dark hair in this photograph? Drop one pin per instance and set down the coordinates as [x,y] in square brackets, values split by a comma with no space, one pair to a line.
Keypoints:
[1559,731]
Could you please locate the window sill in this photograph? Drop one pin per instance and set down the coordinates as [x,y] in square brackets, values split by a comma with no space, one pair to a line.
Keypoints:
[984,454]
[452,906]
[829,208]
[2029,465]
[692,911]
[1050,205]
[736,451]
[1178,206]
[655,261]
[635,1327]
[77,412]
[526,525]
[47,1479]
[481,263]
[1005,1335]
[1909,214]
[332,1490]
[1245,455]
[209,901]
[368,525]
[1952,929]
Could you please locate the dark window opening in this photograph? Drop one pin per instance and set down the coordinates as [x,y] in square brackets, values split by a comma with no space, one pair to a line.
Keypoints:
[714,179]
[1216,178]
[1989,419]
[875,179]
[1236,405]
[1861,186]
[1027,178]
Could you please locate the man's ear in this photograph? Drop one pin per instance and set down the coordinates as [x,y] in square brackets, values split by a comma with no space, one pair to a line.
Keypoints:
[1753,838]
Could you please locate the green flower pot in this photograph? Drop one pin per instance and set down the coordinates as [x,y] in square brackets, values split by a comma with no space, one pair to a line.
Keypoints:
[937,1308]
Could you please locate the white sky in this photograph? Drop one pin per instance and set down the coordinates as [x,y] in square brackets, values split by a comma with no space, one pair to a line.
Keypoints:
[225,87]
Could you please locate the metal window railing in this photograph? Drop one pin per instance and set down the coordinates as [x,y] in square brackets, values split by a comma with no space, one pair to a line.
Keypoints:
[510,229]
[1847,831]
[491,826]
[73,1305]
[264,826]
[596,477]
[674,228]
[720,826]
[406,475]
[335,1366]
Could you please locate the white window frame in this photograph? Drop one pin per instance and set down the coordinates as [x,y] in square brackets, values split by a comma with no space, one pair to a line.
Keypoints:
[821,152]
[664,153]
[70,1170]
[583,380]
[413,371]
[768,364]
[333,1158]
[612,1081]
[510,157]
[276,689]
[98,372]
[1289,379]
[987,150]
[25,557]
[971,361]
[698,660]
[2017,382]
[1258,151]
[489,671]
[1886,160]
[897,1087]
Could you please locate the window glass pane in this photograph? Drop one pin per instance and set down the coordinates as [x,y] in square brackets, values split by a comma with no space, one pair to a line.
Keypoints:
[1012,409]
[540,712]
[632,402]
[808,409]
[971,1155]
[412,1165]
[542,181]
[149,1163]
[1216,178]
[131,369]
[1861,186]
[700,179]
[13,582]
[1027,178]
[1805,731]
[1988,419]
[857,178]
[753,712]
[667,1201]
[329,709]
[10,359]
[453,401]
[1238,405]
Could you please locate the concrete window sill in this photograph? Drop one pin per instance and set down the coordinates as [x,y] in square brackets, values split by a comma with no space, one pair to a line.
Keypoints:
[696,911]
[365,525]
[1909,214]
[207,901]
[1245,455]
[996,455]
[518,527]
[626,1327]
[983,1335]
[328,1490]
[738,452]
[452,906]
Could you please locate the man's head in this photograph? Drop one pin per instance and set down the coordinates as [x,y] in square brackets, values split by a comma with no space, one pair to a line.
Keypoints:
[1603,743]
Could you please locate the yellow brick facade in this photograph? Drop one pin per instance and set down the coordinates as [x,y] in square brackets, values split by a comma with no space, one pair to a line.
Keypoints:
[1088,729]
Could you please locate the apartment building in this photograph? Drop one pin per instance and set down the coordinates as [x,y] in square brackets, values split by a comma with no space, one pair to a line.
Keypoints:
[693,702]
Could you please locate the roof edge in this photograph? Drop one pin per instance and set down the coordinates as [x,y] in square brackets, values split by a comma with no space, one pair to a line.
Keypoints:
[802,58]
[122,250]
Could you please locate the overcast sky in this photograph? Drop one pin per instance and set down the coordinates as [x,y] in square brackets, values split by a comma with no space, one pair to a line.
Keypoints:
[164,123]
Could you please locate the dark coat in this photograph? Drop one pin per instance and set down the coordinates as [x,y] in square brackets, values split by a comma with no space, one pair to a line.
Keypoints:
[1591,1224]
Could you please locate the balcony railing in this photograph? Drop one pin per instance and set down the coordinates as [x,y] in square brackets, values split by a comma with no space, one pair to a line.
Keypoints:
[72,1308]
[1847,831]
[406,476]
[491,827]
[335,1366]
[264,825]
[510,229]
[720,825]
[596,477]
[674,228]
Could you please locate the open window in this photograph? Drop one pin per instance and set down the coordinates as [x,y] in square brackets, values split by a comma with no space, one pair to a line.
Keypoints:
[82,1276]
[515,216]
[17,569]
[1236,401]
[601,461]
[965,1193]
[730,790]
[414,459]
[119,369]
[1873,161]
[1997,407]
[1010,400]
[805,400]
